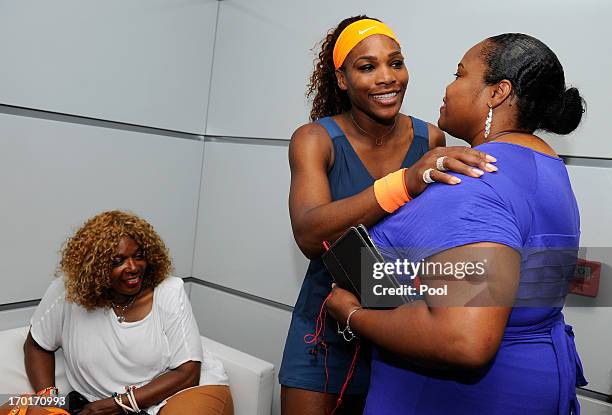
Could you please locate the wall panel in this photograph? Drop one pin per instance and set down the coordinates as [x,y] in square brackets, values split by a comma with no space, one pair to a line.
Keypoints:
[244,239]
[589,406]
[144,62]
[55,175]
[19,317]
[592,317]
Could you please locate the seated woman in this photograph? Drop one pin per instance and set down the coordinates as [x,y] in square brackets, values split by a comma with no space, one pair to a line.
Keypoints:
[125,326]
[495,343]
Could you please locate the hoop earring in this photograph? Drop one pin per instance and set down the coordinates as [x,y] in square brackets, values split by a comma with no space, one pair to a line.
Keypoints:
[488,122]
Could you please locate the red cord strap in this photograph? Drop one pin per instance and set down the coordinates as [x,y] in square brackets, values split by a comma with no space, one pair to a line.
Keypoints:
[348,378]
[319,338]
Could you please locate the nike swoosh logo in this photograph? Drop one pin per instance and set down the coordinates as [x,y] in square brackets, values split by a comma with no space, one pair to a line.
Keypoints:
[361,32]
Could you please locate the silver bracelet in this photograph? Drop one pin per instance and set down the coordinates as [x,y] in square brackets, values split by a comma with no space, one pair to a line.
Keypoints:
[348,318]
[347,330]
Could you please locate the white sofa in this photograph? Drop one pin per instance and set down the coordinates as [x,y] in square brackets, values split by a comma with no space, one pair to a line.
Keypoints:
[251,379]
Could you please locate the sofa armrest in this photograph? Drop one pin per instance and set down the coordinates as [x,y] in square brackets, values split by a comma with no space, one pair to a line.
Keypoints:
[251,379]
[13,379]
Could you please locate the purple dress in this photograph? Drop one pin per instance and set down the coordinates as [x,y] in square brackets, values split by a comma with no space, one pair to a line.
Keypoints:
[527,205]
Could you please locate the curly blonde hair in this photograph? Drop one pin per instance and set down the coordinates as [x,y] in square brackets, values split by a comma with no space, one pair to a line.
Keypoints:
[86,262]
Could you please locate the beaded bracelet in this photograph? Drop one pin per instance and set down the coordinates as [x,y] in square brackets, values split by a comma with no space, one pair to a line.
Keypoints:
[48,391]
[119,401]
[130,395]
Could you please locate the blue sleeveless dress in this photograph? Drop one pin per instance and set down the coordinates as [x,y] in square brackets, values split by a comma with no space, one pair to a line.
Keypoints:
[303,365]
[527,205]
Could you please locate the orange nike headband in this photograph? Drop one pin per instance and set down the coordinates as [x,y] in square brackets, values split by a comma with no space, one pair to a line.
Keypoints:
[355,33]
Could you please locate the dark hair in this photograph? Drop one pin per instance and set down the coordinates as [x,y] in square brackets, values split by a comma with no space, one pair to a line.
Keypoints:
[329,99]
[538,83]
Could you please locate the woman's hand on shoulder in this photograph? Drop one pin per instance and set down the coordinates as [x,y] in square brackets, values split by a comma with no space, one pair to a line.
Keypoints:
[459,159]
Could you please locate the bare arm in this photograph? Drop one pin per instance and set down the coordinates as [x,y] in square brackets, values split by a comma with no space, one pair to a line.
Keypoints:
[160,388]
[39,364]
[463,329]
[315,217]
[166,385]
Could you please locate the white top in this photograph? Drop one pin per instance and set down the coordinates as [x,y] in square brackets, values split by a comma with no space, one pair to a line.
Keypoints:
[103,355]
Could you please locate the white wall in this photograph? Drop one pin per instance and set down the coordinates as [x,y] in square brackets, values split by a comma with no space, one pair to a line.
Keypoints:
[54,175]
[10,319]
[592,317]
[144,62]
[589,406]
[244,238]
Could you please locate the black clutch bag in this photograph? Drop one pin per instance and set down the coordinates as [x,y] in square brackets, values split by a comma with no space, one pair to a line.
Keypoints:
[350,260]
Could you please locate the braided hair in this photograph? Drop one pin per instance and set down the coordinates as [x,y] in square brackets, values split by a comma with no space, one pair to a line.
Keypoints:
[538,83]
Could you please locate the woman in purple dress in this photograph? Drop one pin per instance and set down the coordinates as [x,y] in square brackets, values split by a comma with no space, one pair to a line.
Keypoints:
[490,342]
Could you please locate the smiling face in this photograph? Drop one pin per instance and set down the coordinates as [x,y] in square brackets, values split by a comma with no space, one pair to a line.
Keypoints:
[129,266]
[375,77]
[466,99]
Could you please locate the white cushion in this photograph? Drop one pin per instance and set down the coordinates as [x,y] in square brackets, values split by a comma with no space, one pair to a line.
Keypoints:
[251,379]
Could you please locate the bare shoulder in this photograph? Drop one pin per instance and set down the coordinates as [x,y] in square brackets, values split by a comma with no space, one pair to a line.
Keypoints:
[436,136]
[310,141]
[311,133]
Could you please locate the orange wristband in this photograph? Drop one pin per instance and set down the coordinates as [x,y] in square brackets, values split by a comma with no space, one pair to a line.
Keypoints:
[390,191]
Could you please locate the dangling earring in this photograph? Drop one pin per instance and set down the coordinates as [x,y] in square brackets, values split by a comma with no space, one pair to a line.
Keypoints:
[488,122]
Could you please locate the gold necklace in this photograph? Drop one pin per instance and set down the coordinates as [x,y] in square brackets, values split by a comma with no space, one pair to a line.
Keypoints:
[378,140]
[121,314]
